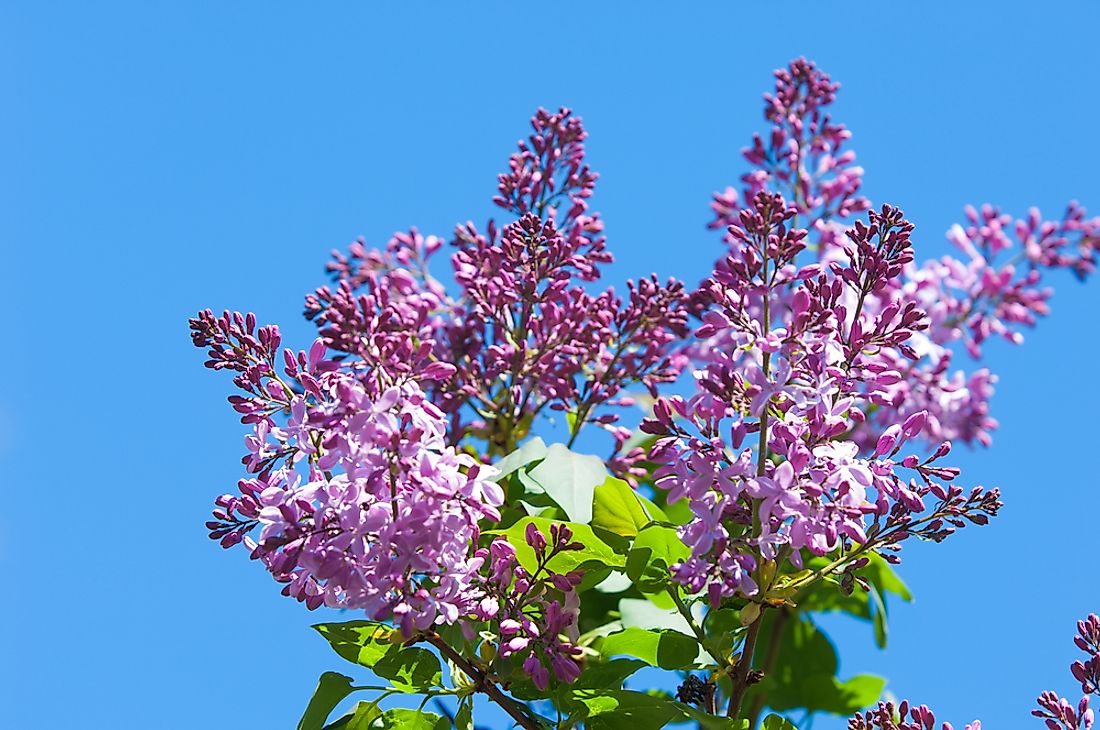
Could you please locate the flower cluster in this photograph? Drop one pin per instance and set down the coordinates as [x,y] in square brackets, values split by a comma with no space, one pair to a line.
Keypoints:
[801,367]
[357,498]
[812,439]
[1060,714]
[994,290]
[903,717]
[522,332]
[803,153]
[536,612]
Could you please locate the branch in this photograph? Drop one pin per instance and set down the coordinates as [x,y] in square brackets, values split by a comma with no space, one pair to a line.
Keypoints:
[483,682]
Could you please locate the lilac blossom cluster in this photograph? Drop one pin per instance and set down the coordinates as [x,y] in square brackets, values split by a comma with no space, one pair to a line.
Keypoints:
[885,716]
[357,500]
[524,334]
[536,611]
[1059,713]
[363,491]
[995,289]
[800,370]
[816,435]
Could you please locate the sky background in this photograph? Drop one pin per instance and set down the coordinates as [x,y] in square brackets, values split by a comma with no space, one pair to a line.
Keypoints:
[157,158]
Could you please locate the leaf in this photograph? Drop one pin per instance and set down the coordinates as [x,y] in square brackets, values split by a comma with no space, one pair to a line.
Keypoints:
[777,722]
[882,574]
[530,452]
[596,551]
[617,508]
[464,718]
[867,605]
[804,676]
[667,649]
[413,668]
[369,643]
[570,479]
[862,690]
[331,690]
[723,627]
[654,550]
[608,675]
[401,718]
[645,614]
[626,710]
[361,718]
[360,642]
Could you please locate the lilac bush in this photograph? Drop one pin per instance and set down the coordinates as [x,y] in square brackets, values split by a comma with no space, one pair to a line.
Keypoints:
[797,411]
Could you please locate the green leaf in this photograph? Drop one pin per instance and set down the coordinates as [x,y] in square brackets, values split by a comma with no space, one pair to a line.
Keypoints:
[804,675]
[596,551]
[617,508]
[530,452]
[401,718]
[331,691]
[654,550]
[881,574]
[570,479]
[867,605]
[667,649]
[723,627]
[609,674]
[360,642]
[626,710]
[777,722]
[361,718]
[413,669]
[368,643]
[648,614]
[861,691]
[464,718]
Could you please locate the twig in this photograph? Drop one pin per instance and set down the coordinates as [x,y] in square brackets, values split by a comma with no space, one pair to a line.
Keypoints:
[483,682]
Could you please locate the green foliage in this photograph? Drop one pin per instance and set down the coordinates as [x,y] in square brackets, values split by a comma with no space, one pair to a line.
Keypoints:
[361,718]
[529,453]
[400,718]
[331,691]
[667,649]
[776,722]
[570,479]
[596,553]
[609,674]
[371,644]
[804,673]
[617,508]
[654,550]
[627,710]
[867,605]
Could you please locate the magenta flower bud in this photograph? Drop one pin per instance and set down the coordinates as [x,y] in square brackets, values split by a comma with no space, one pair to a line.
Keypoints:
[538,673]
[887,441]
[514,645]
[914,424]
[438,371]
[535,538]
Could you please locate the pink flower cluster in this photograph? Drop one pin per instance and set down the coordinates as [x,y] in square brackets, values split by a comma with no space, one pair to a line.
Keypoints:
[1060,714]
[995,289]
[536,612]
[357,498]
[522,332]
[363,492]
[801,367]
[903,717]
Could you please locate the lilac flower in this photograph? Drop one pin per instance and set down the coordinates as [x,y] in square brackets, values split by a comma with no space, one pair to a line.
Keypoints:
[885,716]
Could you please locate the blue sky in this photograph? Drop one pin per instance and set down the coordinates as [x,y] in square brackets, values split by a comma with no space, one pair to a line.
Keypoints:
[157,158]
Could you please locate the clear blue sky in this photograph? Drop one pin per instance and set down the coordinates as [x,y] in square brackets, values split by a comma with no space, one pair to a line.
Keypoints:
[158,157]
